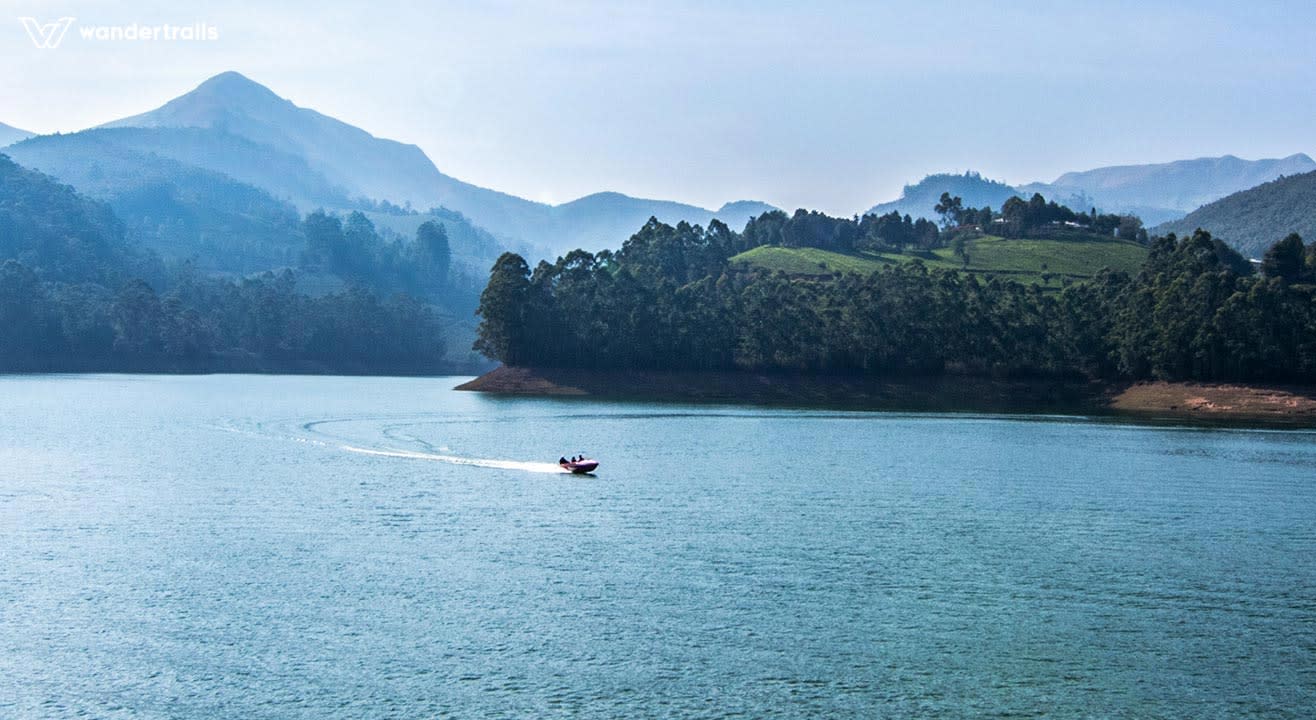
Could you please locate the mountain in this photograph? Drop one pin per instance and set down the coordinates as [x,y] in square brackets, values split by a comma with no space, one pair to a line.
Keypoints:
[284,175]
[178,210]
[10,135]
[355,160]
[1252,220]
[350,161]
[1157,193]
[919,199]
[1166,191]
[221,199]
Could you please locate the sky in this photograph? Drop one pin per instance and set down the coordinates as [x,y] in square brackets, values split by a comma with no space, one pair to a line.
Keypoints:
[826,105]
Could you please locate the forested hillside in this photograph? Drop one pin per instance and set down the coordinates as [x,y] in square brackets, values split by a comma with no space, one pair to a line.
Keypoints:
[177,210]
[1250,220]
[219,200]
[76,294]
[671,299]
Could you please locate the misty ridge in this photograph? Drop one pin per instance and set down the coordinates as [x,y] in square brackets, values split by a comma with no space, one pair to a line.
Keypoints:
[234,126]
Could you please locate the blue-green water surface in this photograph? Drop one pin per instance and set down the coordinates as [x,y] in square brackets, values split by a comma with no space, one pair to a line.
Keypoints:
[317,547]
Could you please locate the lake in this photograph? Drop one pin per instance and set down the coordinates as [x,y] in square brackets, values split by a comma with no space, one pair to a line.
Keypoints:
[328,547]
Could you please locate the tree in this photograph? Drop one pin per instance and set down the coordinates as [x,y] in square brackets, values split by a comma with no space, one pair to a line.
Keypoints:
[1285,259]
[359,244]
[950,209]
[925,235]
[1014,213]
[137,316]
[959,246]
[433,253]
[1130,228]
[503,310]
[324,240]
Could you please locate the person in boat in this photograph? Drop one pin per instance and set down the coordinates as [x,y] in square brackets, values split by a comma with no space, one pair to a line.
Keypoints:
[561,461]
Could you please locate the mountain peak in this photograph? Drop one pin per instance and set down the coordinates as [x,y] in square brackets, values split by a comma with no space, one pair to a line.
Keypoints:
[234,84]
[215,102]
[228,92]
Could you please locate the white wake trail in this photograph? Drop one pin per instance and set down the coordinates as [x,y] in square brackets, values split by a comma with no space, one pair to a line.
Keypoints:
[535,467]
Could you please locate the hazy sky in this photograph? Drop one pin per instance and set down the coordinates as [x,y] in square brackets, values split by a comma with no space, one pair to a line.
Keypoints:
[828,105]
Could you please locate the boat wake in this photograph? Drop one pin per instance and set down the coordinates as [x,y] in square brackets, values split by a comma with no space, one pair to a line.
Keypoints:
[534,467]
[328,441]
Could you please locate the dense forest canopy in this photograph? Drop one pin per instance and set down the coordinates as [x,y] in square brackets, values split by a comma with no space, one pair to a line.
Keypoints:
[670,299]
[77,294]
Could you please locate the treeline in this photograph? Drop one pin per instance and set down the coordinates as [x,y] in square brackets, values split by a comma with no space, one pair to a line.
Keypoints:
[202,325]
[805,228]
[1036,217]
[893,232]
[75,294]
[669,299]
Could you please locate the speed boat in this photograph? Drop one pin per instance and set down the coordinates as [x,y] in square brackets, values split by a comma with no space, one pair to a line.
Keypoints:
[580,467]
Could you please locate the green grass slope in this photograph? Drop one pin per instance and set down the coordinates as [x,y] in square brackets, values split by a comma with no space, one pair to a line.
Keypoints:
[810,261]
[1023,260]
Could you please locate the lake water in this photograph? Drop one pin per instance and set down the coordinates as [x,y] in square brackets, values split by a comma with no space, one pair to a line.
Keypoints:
[297,547]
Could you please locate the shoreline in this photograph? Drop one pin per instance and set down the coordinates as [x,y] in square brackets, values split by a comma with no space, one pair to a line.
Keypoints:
[1205,403]
[241,365]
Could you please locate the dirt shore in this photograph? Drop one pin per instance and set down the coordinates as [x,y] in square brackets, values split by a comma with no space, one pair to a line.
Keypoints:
[1211,401]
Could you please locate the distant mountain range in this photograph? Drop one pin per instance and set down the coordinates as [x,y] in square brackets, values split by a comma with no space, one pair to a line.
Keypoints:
[1157,193]
[1252,220]
[10,135]
[1168,191]
[231,136]
[330,158]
